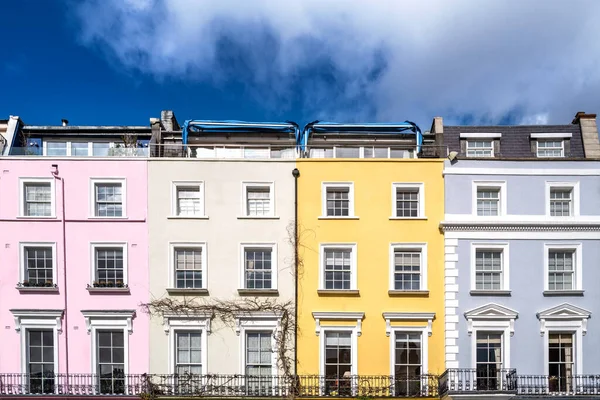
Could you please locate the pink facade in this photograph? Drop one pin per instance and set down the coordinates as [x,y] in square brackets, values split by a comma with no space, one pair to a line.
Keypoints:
[109,251]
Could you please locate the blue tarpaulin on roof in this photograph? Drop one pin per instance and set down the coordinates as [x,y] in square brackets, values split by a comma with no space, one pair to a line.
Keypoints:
[207,126]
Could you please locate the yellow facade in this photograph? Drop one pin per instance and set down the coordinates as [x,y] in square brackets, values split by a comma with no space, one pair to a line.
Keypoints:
[372,231]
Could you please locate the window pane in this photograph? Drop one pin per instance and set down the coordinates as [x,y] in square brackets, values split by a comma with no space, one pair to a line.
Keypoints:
[40,360]
[489,360]
[56,148]
[560,202]
[188,352]
[560,269]
[488,202]
[258,271]
[38,266]
[258,201]
[110,353]
[407,270]
[79,149]
[338,201]
[347,152]
[109,266]
[109,200]
[480,148]
[488,270]
[38,199]
[338,268]
[188,200]
[407,202]
[188,268]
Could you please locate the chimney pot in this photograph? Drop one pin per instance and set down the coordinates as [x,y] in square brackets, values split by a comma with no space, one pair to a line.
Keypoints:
[65,122]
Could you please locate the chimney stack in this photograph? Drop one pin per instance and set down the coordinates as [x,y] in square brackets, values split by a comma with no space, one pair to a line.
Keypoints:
[589,133]
[65,122]
[168,120]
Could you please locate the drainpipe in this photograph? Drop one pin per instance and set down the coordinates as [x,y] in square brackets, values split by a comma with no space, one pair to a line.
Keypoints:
[296,174]
[64,240]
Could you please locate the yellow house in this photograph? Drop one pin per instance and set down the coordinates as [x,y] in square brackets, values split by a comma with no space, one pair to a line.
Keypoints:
[371,274]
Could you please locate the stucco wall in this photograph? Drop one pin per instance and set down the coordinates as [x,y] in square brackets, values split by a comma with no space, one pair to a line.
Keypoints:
[223,232]
[80,232]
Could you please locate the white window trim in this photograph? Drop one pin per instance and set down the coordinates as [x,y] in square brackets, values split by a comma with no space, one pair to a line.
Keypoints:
[109,320]
[421,247]
[562,147]
[195,323]
[479,148]
[420,186]
[37,319]
[565,318]
[350,187]
[491,317]
[577,248]
[274,263]
[174,186]
[93,182]
[99,245]
[261,185]
[425,333]
[23,245]
[475,246]
[551,135]
[188,245]
[23,182]
[353,263]
[575,201]
[500,185]
[355,331]
[258,322]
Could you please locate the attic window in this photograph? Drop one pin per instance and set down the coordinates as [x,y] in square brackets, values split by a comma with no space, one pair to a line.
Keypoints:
[480,148]
[550,148]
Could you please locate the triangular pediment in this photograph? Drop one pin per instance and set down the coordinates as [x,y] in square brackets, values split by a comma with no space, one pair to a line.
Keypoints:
[491,311]
[564,311]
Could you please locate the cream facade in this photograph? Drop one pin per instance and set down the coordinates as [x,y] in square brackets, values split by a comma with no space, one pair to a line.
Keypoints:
[218,229]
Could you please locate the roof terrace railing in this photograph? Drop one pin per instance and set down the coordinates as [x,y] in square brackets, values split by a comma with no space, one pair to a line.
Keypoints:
[109,152]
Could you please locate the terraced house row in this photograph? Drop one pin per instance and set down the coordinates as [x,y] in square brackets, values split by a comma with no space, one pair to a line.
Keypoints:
[242,259]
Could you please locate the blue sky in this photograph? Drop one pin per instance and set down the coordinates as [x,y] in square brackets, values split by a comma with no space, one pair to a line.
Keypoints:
[122,61]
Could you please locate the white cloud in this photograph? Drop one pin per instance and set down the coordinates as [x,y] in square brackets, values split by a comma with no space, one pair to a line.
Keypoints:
[388,60]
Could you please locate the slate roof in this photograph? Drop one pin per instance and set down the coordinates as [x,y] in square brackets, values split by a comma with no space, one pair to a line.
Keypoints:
[515,140]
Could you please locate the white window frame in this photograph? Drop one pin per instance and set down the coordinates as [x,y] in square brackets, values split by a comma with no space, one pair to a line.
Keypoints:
[353,264]
[274,263]
[420,187]
[175,185]
[351,210]
[246,185]
[354,343]
[23,182]
[24,245]
[69,143]
[188,245]
[575,200]
[177,323]
[109,320]
[494,246]
[258,323]
[112,181]
[471,140]
[420,247]
[565,318]
[549,139]
[99,245]
[577,249]
[496,185]
[37,319]
[423,330]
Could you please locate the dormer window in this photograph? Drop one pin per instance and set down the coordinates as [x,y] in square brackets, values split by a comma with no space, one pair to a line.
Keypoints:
[550,148]
[480,144]
[480,148]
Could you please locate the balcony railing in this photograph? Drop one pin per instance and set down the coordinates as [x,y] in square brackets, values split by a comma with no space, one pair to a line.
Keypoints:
[217,385]
[559,385]
[472,380]
[110,152]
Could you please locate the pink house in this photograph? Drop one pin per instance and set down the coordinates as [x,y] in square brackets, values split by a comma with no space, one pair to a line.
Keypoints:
[73,271]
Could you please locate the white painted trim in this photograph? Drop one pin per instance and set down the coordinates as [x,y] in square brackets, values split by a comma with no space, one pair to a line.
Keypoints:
[557,135]
[575,199]
[390,317]
[260,185]
[420,247]
[24,245]
[102,318]
[99,245]
[338,316]
[171,262]
[353,262]
[92,194]
[248,324]
[539,219]
[500,185]
[274,262]
[25,181]
[420,186]
[475,246]
[177,184]
[578,265]
[37,319]
[173,324]
[425,333]
[480,135]
[451,295]
[354,333]
[521,234]
[594,170]
[325,186]
[491,312]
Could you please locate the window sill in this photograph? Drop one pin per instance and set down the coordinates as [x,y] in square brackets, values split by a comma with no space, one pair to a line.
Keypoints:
[419,293]
[258,292]
[257,217]
[33,289]
[338,292]
[122,290]
[550,293]
[187,217]
[108,218]
[183,292]
[338,217]
[489,292]
[34,217]
[409,218]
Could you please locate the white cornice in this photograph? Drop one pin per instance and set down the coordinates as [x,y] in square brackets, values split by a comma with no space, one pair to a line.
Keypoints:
[53,317]
[564,314]
[407,316]
[491,312]
[480,135]
[515,226]
[557,135]
[338,316]
[488,169]
[111,315]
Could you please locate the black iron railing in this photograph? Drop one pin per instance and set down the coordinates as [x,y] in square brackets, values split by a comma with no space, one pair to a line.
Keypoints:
[469,380]
[563,385]
[218,385]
